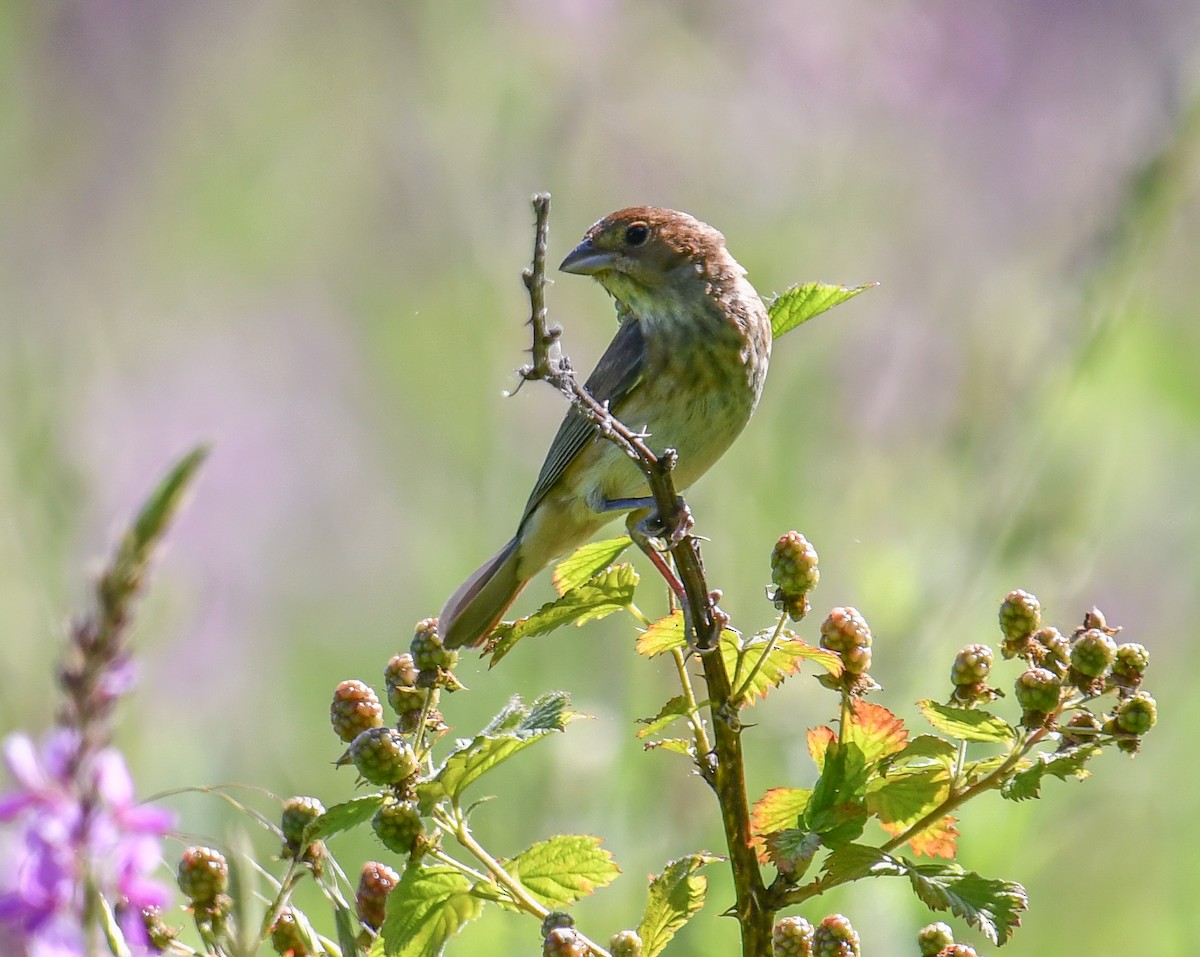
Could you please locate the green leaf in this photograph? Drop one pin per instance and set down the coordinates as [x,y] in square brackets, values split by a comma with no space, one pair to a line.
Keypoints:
[604,593]
[1070,764]
[791,851]
[678,745]
[783,660]
[967,724]
[662,636]
[670,712]
[925,748]
[992,906]
[1024,785]
[429,906]
[798,304]
[842,783]
[906,795]
[560,871]
[511,731]
[778,809]
[856,861]
[588,561]
[343,817]
[675,897]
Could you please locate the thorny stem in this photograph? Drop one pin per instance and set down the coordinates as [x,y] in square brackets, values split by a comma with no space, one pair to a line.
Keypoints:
[703,620]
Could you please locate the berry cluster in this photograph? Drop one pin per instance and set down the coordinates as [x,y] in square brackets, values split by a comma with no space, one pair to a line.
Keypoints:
[795,573]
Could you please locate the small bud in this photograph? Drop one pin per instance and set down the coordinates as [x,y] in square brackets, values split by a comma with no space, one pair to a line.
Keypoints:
[625,943]
[1131,662]
[382,756]
[1138,714]
[1020,615]
[374,885]
[1083,728]
[427,650]
[398,824]
[795,573]
[286,937]
[1039,690]
[846,632]
[203,876]
[564,942]
[355,708]
[836,938]
[1093,653]
[933,938]
[1095,619]
[793,937]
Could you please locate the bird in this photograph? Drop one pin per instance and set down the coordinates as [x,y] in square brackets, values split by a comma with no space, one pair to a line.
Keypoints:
[686,367]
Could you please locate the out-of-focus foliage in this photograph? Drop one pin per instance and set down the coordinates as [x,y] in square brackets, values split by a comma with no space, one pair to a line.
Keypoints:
[298,232]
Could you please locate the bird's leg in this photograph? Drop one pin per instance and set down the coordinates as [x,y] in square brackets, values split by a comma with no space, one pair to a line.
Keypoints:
[650,522]
[649,546]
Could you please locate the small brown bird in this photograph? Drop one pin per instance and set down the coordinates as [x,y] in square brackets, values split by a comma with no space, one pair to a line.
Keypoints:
[686,366]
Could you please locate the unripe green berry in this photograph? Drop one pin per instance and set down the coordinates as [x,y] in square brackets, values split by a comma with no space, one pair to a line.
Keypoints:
[1138,714]
[400,676]
[1084,727]
[556,918]
[355,708]
[846,632]
[564,942]
[203,875]
[934,938]
[1020,615]
[1039,690]
[374,884]
[1132,661]
[795,573]
[836,938]
[625,943]
[1093,653]
[427,650]
[398,825]
[298,813]
[972,665]
[792,937]
[1055,650]
[382,756]
[286,937]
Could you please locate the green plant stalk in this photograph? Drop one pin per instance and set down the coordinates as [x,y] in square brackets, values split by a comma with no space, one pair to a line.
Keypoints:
[744,686]
[699,734]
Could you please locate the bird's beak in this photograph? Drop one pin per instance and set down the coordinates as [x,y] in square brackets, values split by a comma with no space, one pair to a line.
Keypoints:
[587,260]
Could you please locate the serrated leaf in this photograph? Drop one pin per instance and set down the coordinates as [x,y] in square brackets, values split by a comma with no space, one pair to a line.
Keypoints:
[678,745]
[778,809]
[662,636]
[604,593]
[425,910]
[1070,764]
[856,861]
[672,711]
[906,795]
[676,895]
[837,797]
[925,748]
[560,871]
[876,731]
[967,724]
[798,304]
[1025,785]
[992,906]
[783,660]
[939,839]
[587,561]
[343,817]
[819,740]
[791,851]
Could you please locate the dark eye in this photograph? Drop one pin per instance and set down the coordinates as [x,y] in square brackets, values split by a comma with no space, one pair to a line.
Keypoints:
[637,234]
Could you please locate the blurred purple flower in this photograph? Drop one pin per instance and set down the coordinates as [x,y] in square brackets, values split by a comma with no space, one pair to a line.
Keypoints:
[74,813]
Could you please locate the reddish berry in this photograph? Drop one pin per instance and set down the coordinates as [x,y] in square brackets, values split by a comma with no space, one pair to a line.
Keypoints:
[374,884]
[382,756]
[795,573]
[836,938]
[793,937]
[427,650]
[355,708]
[203,875]
[846,632]
[564,942]
[1020,615]
[1138,714]
[286,937]
[1039,690]
[1093,653]
[933,938]
[398,825]
[625,943]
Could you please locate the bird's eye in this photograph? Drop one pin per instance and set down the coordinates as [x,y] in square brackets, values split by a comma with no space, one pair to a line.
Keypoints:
[636,234]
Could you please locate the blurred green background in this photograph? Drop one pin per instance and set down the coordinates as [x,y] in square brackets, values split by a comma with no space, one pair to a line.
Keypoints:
[297,230]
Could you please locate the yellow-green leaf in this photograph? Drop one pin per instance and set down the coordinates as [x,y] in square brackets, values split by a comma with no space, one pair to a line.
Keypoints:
[800,303]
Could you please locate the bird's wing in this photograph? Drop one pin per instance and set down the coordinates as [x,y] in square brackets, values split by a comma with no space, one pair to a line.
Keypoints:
[615,376]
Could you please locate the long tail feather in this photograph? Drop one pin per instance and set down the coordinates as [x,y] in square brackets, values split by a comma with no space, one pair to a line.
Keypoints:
[481,601]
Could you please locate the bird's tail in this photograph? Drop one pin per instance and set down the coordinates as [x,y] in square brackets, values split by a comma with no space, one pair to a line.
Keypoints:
[479,603]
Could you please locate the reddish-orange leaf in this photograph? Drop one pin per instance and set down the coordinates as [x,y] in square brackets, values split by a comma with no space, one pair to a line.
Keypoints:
[819,740]
[937,840]
[875,730]
[777,810]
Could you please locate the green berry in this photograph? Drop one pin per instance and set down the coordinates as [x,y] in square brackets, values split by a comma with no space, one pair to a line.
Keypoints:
[1093,653]
[398,825]
[374,884]
[1055,650]
[1039,690]
[972,665]
[1020,615]
[625,943]
[795,573]
[933,938]
[1138,714]
[382,756]
[846,632]
[298,813]
[835,938]
[1132,661]
[355,708]
[556,918]
[203,875]
[286,937]
[564,942]
[400,677]
[793,937]
[427,650]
